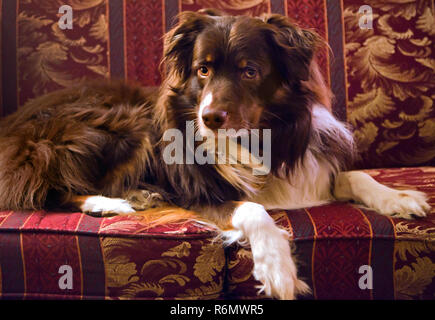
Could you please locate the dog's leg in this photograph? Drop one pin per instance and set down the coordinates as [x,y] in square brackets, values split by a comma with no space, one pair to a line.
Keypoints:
[274,266]
[133,200]
[362,188]
[102,206]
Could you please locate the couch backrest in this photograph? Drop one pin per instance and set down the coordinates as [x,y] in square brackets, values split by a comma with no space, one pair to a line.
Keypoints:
[383,77]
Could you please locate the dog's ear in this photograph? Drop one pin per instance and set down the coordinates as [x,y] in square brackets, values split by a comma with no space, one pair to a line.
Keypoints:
[294,50]
[179,42]
[293,46]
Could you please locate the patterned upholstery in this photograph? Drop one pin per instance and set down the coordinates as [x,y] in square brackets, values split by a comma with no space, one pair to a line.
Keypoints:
[391,82]
[121,258]
[383,80]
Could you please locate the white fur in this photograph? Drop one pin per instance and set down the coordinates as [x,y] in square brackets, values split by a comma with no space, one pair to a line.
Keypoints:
[273,263]
[205,102]
[362,188]
[308,186]
[106,205]
[324,120]
[310,183]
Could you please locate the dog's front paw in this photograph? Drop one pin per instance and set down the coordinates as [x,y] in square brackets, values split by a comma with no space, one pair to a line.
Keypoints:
[275,269]
[102,206]
[144,199]
[273,264]
[403,204]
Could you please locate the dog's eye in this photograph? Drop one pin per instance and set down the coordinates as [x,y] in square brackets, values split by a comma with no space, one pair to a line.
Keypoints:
[203,72]
[249,73]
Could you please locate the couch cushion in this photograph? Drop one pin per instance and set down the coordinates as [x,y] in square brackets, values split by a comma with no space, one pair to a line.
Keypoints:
[121,258]
[114,258]
[333,241]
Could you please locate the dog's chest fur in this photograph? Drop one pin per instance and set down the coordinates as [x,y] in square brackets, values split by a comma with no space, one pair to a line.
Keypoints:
[308,186]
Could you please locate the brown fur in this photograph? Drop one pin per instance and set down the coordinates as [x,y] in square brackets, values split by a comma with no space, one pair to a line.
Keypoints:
[85,140]
[106,137]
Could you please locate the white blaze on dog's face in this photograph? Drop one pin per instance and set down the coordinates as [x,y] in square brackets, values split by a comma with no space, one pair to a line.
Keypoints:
[205,131]
[205,103]
[231,76]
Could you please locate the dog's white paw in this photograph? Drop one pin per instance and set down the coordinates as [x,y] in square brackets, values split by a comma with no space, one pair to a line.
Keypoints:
[103,205]
[402,204]
[362,188]
[275,269]
[273,264]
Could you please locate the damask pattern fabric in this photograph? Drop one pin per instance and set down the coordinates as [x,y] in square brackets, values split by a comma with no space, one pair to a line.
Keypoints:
[50,58]
[391,81]
[121,258]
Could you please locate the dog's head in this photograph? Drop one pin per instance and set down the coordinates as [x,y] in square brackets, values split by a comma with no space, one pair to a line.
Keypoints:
[239,72]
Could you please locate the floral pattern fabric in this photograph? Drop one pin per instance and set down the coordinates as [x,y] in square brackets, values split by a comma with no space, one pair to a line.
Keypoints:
[391,81]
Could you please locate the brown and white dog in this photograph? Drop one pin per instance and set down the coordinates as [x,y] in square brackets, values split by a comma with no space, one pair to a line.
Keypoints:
[98,144]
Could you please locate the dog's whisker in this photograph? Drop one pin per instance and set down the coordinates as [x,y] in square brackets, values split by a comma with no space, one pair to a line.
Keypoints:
[273,115]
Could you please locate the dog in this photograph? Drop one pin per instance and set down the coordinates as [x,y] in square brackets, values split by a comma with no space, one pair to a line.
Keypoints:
[100,147]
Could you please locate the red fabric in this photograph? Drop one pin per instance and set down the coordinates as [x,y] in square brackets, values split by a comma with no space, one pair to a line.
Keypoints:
[311,14]
[144,30]
[390,82]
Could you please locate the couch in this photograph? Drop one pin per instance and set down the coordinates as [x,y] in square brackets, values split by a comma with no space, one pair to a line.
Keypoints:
[383,81]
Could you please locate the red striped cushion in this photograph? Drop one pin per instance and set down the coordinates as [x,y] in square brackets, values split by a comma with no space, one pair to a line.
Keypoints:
[121,258]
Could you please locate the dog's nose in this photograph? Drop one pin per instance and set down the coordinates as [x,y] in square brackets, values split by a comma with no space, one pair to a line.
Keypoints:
[214,119]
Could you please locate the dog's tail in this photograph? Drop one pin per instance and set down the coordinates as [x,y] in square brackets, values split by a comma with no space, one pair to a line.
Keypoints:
[23,170]
[32,170]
